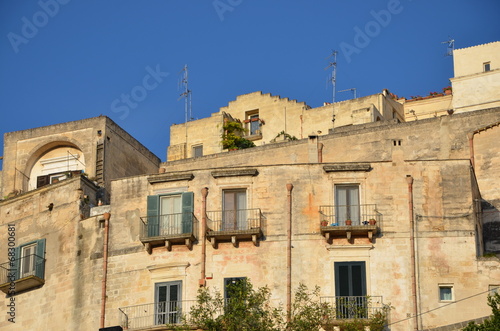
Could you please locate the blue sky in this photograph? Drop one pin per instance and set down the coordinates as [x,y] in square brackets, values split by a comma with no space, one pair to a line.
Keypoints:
[65,60]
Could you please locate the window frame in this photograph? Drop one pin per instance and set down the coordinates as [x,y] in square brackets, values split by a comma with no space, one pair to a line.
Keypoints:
[38,263]
[163,315]
[196,148]
[154,212]
[486,66]
[446,286]
[252,118]
[236,218]
[351,210]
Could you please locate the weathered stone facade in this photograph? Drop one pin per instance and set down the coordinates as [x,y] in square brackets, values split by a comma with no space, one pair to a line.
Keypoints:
[266,118]
[421,196]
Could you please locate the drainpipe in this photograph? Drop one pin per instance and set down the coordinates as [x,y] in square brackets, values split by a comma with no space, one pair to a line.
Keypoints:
[104,268]
[289,188]
[409,180]
[204,193]
[320,152]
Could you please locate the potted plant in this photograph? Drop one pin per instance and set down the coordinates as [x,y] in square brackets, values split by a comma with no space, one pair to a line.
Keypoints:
[447,90]
[324,223]
[348,222]
[372,221]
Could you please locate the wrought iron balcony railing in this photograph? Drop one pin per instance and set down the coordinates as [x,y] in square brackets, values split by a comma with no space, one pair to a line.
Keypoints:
[170,225]
[359,307]
[152,314]
[339,215]
[234,220]
[22,273]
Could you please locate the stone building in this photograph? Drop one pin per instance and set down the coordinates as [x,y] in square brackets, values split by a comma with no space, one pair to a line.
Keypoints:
[368,205]
[55,178]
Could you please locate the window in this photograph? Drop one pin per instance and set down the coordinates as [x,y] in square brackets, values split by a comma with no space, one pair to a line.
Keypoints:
[252,118]
[347,204]
[234,210]
[445,292]
[168,302]
[170,214]
[350,289]
[30,259]
[27,269]
[198,151]
[486,66]
[228,283]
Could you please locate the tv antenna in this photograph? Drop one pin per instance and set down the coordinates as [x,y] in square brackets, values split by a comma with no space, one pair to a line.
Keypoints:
[333,79]
[186,94]
[451,46]
[353,89]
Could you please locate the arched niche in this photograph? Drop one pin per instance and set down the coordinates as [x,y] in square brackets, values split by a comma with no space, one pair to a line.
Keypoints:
[54,162]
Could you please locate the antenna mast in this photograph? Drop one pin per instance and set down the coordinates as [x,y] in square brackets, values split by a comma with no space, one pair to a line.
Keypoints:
[353,89]
[186,94]
[333,79]
[451,46]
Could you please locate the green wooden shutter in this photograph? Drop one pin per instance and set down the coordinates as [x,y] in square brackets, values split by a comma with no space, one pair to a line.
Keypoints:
[40,259]
[187,212]
[17,261]
[153,220]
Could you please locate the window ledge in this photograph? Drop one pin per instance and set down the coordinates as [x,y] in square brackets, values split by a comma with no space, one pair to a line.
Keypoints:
[234,173]
[170,177]
[347,167]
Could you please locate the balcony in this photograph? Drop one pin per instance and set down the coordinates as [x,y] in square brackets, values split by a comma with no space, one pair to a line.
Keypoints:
[234,225]
[155,316]
[354,307]
[349,221]
[22,274]
[168,230]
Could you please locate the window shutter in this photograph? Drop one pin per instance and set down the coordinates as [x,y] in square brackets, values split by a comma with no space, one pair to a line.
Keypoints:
[17,261]
[42,181]
[153,221]
[40,259]
[187,212]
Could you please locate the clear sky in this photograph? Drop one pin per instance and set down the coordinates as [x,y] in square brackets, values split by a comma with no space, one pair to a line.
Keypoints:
[65,60]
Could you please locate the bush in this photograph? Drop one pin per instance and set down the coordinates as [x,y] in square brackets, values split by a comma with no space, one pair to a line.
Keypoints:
[491,324]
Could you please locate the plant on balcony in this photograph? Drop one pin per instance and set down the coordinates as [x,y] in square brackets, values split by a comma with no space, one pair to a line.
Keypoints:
[232,136]
[348,222]
[324,223]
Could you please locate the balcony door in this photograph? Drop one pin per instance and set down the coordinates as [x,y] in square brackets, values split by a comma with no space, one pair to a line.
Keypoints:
[347,204]
[28,260]
[168,302]
[234,210]
[350,289]
[170,214]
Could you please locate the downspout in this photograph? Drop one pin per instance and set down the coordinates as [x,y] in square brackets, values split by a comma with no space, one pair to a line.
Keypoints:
[204,193]
[409,180]
[104,268]
[320,152]
[289,188]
